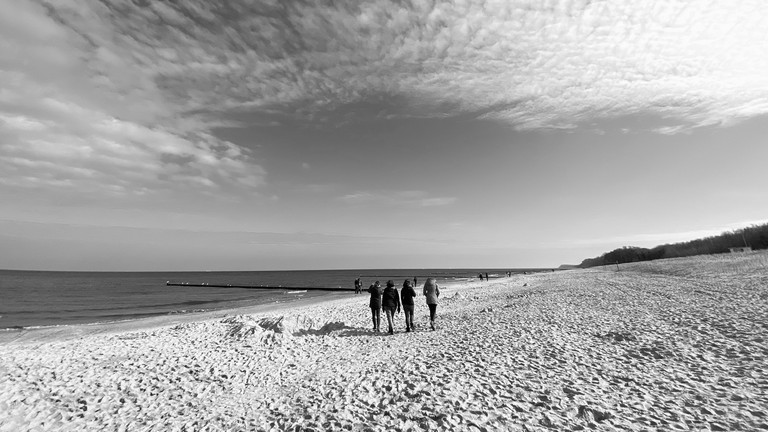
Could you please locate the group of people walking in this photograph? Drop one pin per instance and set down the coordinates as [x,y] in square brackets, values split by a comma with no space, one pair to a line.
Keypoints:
[393,302]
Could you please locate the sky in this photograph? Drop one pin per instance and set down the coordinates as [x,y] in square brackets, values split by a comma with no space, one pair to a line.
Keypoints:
[266,135]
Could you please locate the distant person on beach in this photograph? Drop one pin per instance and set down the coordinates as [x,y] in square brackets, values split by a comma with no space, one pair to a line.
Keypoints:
[486,277]
[390,302]
[481,277]
[376,292]
[431,292]
[358,286]
[406,296]
[415,283]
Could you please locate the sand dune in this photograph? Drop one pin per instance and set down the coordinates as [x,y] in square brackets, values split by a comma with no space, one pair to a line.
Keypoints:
[666,345]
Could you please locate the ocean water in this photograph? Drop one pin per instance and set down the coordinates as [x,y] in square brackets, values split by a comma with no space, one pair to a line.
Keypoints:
[39,299]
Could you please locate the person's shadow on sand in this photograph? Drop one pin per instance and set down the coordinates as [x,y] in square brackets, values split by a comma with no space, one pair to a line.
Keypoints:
[339,329]
[357,332]
[362,331]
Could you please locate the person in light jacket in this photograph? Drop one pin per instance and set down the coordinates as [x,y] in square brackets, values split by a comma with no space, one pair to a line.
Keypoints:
[406,296]
[375,304]
[431,292]
[390,302]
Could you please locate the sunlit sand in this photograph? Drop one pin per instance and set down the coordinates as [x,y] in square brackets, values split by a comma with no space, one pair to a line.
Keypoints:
[666,345]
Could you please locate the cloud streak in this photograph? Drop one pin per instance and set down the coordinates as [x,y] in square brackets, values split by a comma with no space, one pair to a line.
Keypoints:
[397,198]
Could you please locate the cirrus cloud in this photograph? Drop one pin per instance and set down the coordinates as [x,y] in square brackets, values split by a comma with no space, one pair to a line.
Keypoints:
[107,93]
[529,64]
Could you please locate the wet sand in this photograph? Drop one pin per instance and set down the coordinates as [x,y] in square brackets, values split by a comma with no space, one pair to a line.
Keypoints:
[666,345]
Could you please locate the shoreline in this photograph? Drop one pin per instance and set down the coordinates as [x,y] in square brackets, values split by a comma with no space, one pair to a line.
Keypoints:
[64,332]
[666,345]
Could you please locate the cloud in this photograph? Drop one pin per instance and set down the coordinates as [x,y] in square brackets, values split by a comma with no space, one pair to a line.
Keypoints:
[103,94]
[397,198]
[81,113]
[531,65]
[672,130]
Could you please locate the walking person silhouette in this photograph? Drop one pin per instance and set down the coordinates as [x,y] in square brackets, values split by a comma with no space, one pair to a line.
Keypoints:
[431,292]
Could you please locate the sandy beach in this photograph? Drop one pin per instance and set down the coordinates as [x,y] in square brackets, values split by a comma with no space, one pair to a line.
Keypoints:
[665,345]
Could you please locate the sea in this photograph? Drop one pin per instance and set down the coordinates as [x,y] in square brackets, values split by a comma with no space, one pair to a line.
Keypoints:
[35,299]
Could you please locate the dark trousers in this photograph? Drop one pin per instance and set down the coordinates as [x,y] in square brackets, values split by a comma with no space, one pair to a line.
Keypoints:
[408,309]
[432,311]
[376,316]
[390,317]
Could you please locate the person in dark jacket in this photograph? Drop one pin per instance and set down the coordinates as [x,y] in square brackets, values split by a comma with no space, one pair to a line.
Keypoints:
[376,292]
[406,296]
[390,302]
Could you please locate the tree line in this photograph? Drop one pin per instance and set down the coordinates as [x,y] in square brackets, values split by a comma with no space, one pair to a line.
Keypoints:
[755,236]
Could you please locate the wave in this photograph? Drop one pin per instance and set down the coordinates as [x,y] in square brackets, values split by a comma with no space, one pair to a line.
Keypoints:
[128,307]
[115,318]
